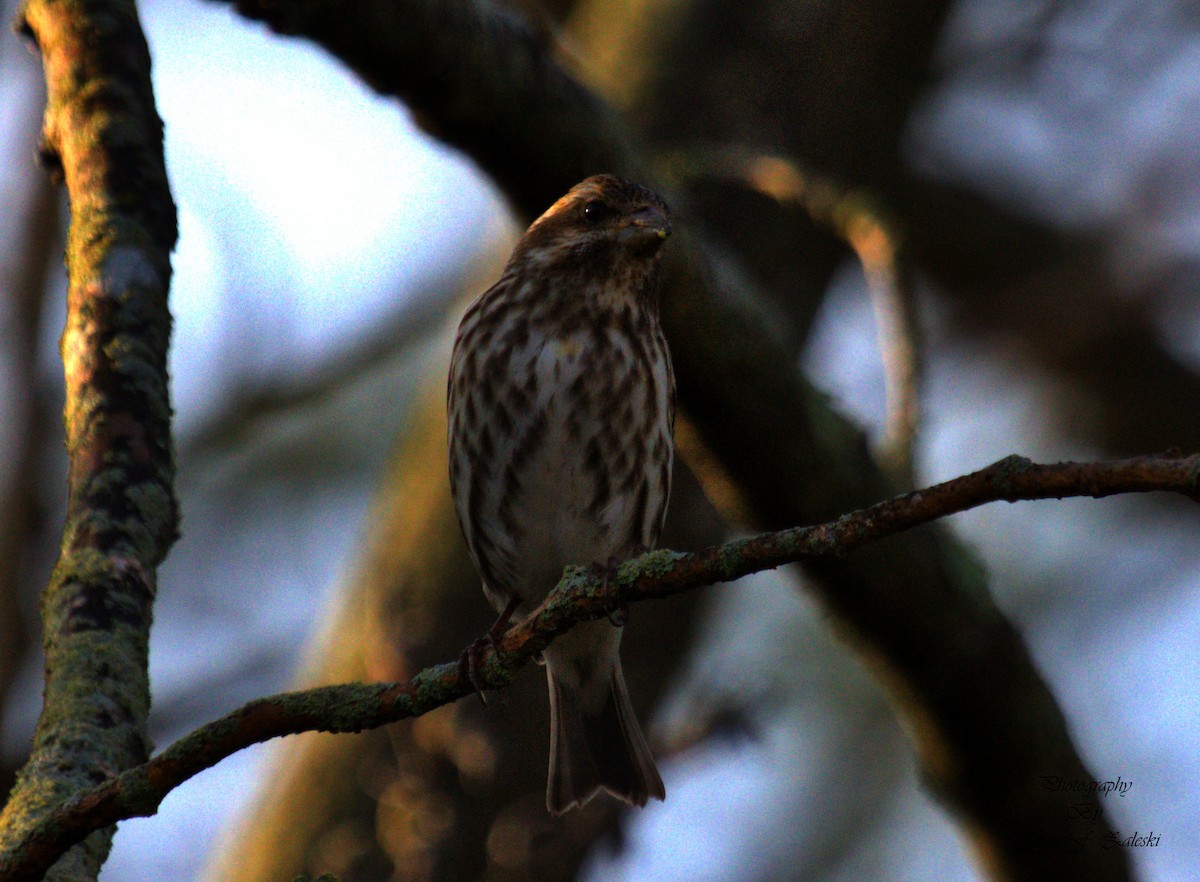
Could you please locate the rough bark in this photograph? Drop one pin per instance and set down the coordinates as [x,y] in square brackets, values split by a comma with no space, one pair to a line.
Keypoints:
[104,137]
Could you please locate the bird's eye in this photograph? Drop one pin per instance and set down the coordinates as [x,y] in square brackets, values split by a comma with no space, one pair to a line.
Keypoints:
[594,212]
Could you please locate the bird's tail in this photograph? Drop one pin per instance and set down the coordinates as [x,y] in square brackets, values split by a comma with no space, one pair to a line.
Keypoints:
[590,751]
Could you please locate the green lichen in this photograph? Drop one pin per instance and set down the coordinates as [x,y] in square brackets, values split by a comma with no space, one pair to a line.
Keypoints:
[137,792]
[429,687]
[575,581]
[652,565]
[731,557]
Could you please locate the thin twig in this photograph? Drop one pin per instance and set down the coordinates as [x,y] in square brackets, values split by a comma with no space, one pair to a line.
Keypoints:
[865,226]
[579,596]
[891,284]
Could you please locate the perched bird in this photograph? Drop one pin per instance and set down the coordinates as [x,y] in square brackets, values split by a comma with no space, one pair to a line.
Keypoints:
[561,411]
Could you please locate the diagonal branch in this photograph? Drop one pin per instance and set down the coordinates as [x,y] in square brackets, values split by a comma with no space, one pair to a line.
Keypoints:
[579,596]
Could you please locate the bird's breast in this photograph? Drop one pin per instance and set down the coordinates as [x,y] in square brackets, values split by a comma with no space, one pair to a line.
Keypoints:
[579,480]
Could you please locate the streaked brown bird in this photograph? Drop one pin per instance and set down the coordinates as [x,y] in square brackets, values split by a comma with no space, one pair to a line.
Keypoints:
[561,412]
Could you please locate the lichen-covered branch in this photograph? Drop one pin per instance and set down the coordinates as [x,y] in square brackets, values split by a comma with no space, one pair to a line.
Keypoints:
[581,595]
[103,136]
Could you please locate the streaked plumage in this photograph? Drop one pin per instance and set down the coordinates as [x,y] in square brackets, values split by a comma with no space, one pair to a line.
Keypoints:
[561,412]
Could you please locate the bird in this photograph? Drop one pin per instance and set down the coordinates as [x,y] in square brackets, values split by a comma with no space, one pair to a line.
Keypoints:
[561,412]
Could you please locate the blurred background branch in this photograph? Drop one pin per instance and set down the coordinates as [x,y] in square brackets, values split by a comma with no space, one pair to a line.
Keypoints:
[876,242]
[29,229]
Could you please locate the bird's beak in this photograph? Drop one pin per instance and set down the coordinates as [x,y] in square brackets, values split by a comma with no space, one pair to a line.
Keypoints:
[648,225]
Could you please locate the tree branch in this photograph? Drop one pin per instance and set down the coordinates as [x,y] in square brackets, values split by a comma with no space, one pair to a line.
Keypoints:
[581,595]
[103,135]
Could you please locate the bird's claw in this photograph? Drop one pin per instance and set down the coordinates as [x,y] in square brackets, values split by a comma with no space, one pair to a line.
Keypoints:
[618,613]
[469,661]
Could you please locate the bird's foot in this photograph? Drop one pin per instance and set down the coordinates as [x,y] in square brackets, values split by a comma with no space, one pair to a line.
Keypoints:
[470,662]
[618,613]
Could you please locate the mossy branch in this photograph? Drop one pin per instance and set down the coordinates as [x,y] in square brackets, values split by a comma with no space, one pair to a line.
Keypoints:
[103,137]
[580,595]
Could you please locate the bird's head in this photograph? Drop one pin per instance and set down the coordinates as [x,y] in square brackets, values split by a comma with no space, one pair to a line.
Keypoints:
[603,220]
